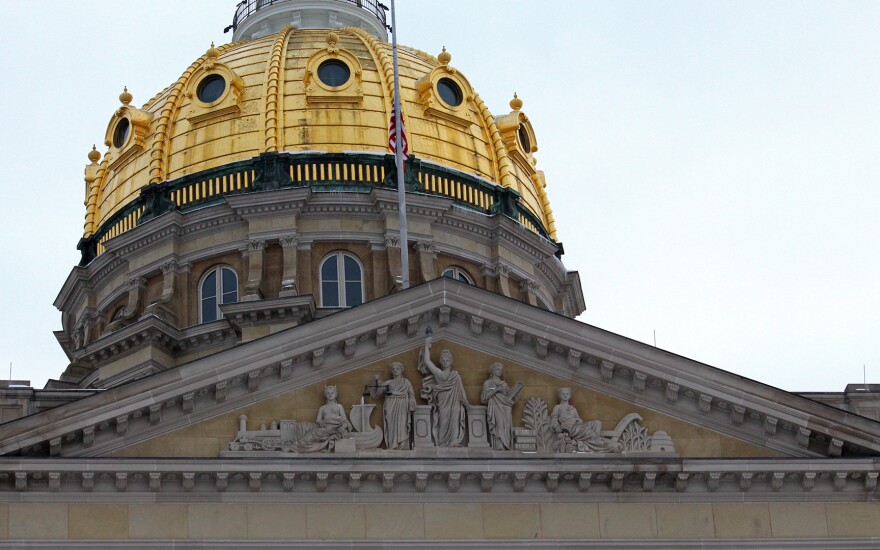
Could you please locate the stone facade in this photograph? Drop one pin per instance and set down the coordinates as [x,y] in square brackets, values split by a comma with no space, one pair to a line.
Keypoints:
[266,410]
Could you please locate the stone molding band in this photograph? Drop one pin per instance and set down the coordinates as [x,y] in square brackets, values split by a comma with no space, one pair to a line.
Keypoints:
[562,477]
[610,544]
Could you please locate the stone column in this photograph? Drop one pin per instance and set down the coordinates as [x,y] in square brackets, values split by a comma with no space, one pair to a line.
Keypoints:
[478,430]
[288,274]
[422,436]
[254,255]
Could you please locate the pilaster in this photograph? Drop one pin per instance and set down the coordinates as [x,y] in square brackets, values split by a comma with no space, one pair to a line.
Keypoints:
[288,275]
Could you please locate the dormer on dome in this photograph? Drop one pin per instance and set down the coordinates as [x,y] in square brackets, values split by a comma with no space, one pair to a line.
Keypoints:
[519,135]
[258,18]
[215,90]
[127,132]
[334,74]
[446,93]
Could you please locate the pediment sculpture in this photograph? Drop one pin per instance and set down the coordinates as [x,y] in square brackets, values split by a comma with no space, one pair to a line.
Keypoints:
[331,431]
[449,420]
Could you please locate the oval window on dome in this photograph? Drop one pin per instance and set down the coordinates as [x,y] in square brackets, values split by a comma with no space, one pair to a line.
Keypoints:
[524,139]
[333,73]
[211,88]
[450,92]
[121,133]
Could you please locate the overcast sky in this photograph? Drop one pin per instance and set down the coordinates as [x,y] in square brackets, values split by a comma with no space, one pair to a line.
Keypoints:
[714,167]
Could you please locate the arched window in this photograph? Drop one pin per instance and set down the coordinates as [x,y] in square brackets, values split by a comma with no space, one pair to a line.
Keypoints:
[219,286]
[342,281]
[458,274]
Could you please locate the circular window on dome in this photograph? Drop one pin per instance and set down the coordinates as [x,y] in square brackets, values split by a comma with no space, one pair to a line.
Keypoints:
[121,133]
[450,92]
[333,73]
[211,88]
[524,139]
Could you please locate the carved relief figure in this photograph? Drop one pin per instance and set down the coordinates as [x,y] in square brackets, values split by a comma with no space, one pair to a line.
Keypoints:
[400,402]
[499,399]
[444,390]
[330,426]
[571,433]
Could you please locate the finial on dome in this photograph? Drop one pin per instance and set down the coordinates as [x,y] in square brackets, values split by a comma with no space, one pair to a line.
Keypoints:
[332,39]
[125,97]
[212,53]
[516,103]
[445,57]
[94,155]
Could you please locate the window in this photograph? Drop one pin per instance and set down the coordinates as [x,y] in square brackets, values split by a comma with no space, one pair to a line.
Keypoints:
[211,88]
[334,73]
[342,281]
[121,133]
[458,274]
[450,92]
[219,286]
[524,139]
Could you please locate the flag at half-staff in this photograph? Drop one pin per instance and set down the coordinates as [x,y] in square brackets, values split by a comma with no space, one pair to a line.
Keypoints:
[392,135]
[399,146]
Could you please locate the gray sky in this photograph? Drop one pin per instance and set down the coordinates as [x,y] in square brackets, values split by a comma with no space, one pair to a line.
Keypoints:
[714,167]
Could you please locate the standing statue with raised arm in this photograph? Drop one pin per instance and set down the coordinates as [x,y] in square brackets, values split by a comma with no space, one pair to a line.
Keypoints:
[499,399]
[400,402]
[444,391]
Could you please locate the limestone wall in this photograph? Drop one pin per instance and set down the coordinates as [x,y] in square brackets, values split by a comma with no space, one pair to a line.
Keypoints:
[424,522]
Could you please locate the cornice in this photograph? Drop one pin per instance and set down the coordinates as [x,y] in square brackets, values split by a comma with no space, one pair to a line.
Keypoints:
[151,330]
[556,478]
[296,309]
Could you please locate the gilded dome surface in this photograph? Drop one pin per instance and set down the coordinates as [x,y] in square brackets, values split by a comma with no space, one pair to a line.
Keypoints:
[274,101]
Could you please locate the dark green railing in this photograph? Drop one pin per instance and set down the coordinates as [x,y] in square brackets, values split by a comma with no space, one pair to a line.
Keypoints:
[321,172]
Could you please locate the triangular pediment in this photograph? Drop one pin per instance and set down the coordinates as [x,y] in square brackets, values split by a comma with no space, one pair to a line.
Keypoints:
[193,410]
[269,418]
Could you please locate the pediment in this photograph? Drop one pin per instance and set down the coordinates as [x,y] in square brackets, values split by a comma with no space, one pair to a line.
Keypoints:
[269,428]
[193,410]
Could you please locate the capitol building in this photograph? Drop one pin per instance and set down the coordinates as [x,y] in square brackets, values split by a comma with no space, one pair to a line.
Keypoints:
[252,364]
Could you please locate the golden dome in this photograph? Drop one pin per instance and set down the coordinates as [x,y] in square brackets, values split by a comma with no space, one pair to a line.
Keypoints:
[271,99]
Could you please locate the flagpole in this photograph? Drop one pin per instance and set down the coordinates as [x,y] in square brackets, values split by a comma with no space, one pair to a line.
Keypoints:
[398,159]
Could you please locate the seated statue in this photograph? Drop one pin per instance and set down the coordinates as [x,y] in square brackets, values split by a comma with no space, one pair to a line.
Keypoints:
[330,426]
[571,434]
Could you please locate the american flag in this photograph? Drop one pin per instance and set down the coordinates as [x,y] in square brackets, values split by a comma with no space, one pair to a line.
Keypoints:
[392,135]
